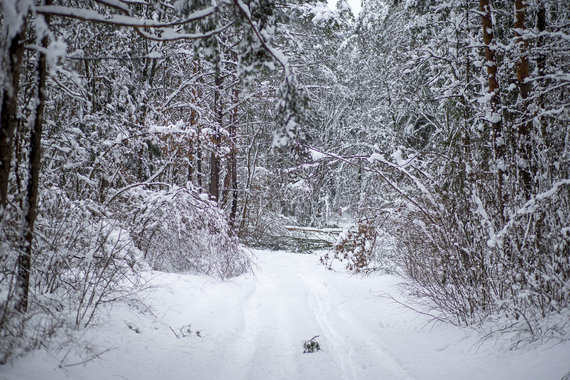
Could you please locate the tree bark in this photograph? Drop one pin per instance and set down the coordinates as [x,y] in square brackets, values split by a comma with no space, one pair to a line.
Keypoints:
[522,62]
[199,159]
[497,136]
[541,64]
[214,188]
[233,160]
[9,110]
[491,61]
[193,122]
[524,162]
[226,188]
[31,201]
[541,27]
[190,162]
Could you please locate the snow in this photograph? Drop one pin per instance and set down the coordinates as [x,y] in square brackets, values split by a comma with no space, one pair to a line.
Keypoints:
[116,4]
[254,326]
[321,14]
[154,55]
[397,156]
[14,12]
[355,5]
[317,155]
[376,157]
[90,15]
[529,207]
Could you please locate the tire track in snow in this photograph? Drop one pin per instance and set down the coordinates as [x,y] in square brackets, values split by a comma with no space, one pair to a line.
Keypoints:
[265,337]
[238,353]
[287,304]
[321,309]
[360,355]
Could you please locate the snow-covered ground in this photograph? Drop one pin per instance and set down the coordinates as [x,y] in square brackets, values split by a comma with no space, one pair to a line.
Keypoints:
[253,327]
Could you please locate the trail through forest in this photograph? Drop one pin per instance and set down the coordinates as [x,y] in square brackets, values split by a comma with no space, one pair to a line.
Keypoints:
[254,327]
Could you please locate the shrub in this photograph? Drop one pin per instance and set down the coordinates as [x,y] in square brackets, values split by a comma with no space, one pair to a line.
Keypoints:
[469,271]
[363,248]
[178,229]
[82,259]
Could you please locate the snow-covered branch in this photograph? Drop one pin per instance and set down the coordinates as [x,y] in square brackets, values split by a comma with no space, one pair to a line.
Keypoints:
[119,20]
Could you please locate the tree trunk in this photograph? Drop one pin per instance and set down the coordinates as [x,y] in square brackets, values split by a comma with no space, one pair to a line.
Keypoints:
[487,23]
[233,160]
[214,188]
[190,162]
[522,62]
[225,198]
[497,136]
[31,201]
[250,164]
[525,125]
[9,110]
[199,159]
[541,65]
[193,122]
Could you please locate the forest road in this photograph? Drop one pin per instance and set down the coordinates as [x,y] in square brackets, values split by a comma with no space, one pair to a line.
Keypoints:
[362,334]
[293,300]
[252,327]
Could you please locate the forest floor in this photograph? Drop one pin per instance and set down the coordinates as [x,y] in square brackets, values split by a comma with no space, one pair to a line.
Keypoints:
[254,327]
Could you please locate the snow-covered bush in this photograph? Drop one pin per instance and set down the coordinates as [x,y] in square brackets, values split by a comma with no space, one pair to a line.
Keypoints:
[82,260]
[177,229]
[470,273]
[361,248]
[265,229]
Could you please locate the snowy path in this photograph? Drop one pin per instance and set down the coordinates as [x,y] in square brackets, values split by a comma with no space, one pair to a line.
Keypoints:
[253,327]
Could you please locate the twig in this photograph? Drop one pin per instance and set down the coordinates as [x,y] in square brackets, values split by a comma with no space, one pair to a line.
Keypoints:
[93,357]
[174,332]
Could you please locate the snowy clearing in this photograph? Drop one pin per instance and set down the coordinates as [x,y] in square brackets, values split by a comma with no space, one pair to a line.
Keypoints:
[254,327]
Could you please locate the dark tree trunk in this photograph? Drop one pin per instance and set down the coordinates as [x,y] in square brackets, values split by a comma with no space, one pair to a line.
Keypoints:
[497,135]
[9,111]
[233,161]
[31,202]
[199,160]
[491,65]
[522,62]
[214,188]
[233,210]
[193,142]
[524,162]
[541,64]
[190,162]
[227,184]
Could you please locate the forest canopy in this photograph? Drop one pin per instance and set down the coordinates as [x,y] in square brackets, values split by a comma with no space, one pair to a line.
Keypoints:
[170,134]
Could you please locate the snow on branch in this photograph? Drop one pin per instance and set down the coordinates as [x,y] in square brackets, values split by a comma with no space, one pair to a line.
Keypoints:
[173,35]
[378,172]
[117,4]
[528,208]
[120,20]
[133,185]
[278,55]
